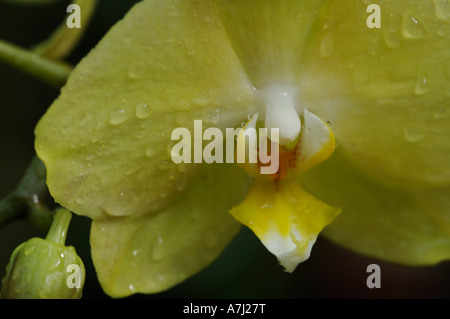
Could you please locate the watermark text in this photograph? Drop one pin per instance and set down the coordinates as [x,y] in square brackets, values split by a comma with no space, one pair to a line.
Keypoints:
[253,146]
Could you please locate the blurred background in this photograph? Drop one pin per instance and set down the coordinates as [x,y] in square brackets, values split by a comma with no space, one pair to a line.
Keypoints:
[245,269]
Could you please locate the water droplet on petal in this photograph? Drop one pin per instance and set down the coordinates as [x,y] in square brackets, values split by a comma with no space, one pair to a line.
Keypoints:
[81,201]
[117,117]
[441,30]
[327,24]
[422,86]
[213,118]
[158,249]
[442,9]
[391,38]
[150,151]
[202,100]
[240,97]
[441,113]
[413,28]
[161,278]
[139,134]
[84,120]
[134,73]
[413,135]
[192,52]
[64,129]
[143,110]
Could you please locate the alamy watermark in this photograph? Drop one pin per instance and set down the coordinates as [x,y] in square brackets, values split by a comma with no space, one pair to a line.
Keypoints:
[252,146]
[74,18]
[374,279]
[75,277]
[373,21]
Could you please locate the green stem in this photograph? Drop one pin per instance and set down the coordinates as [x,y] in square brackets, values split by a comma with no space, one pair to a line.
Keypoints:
[27,197]
[60,225]
[52,72]
[63,40]
[32,185]
[11,208]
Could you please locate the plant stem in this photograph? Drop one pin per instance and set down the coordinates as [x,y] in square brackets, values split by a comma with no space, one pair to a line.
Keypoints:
[11,208]
[27,197]
[32,185]
[60,225]
[52,72]
[64,39]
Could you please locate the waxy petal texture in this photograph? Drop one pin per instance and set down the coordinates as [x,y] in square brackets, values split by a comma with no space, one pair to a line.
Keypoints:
[155,252]
[106,141]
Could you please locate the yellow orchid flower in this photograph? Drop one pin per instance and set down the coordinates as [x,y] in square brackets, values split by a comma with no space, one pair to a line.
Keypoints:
[316,73]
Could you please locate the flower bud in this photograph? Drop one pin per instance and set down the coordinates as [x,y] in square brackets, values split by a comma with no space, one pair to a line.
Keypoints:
[45,268]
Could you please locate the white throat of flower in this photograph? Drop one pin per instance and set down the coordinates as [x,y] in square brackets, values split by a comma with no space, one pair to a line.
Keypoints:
[281,112]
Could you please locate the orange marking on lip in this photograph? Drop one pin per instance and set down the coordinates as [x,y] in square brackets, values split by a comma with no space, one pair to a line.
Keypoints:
[287,160]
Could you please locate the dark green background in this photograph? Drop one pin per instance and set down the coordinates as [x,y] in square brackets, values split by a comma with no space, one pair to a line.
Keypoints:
[246,269]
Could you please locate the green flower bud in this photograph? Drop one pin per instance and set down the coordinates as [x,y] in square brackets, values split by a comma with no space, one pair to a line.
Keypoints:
[45,268]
